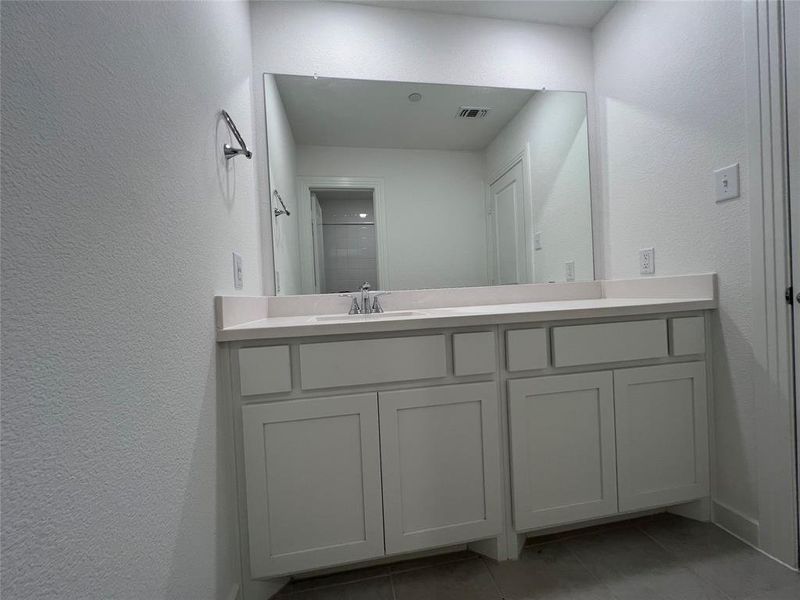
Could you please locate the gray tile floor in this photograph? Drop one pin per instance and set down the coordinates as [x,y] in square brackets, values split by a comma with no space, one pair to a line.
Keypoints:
[659,558]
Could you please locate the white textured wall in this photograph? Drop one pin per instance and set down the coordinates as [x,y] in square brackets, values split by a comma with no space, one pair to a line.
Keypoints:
[435,209]
[283,178]
[553,125]
[118,221]
[670,86]
[367,42]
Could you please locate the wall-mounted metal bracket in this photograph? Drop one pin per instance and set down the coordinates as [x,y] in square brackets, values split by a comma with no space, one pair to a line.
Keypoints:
[227,149]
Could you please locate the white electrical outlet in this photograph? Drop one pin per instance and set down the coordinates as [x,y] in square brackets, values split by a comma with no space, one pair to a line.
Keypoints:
[238,281]
[726,183]
[569,270]
[647,261]
[537,240]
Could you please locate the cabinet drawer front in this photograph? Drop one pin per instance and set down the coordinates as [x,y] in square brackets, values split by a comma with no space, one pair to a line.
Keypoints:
[474,353]
[562,449]
[662,435]
[440,458]
[609,342]
[312,469]
[356,362]
[264,370]
[526,349]
[688,335]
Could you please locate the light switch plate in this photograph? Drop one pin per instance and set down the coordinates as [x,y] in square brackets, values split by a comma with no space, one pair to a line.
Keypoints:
[238,279]
[647,261]
[726,183]
[569,270]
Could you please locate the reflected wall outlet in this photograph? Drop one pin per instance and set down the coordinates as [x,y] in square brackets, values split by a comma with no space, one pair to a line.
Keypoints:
[537,240]
[647,261]
[238,282]
[569,270]
[726,183]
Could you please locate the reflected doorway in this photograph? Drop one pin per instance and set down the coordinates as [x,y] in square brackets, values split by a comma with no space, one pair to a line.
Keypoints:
[344,239]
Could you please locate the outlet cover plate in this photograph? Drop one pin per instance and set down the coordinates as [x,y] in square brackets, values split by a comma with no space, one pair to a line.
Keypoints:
[647,261]
[726,183]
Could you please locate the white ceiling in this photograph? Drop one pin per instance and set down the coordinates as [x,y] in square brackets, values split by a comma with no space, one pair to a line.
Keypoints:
[378,114]
[572,13]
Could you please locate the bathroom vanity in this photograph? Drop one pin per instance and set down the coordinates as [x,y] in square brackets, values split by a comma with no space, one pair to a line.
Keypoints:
[461,416]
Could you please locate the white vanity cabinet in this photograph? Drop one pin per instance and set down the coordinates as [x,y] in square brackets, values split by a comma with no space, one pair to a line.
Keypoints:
[593,444]
[563,467]
[440,457]
[313,483]
[662,434]
[313,472]
[351,448]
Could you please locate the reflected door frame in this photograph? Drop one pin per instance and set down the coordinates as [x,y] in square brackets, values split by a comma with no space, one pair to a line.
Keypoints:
[305,185]
[524,157]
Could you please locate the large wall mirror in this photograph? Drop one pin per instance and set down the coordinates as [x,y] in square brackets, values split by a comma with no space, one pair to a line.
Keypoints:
[411,186]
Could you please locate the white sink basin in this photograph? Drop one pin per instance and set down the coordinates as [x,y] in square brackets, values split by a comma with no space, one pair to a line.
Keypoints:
[370,317]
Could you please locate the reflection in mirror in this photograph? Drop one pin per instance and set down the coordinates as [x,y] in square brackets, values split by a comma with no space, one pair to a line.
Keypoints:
[411,186]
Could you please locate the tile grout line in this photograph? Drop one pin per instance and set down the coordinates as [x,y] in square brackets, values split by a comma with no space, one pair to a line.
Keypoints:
[589,571]
[330,585]
[683,563]
[500,594]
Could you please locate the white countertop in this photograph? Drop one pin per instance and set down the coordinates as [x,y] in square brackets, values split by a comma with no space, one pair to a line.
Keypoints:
[684,295]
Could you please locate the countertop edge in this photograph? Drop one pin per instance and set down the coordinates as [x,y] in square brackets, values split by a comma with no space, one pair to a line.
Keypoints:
[245,333]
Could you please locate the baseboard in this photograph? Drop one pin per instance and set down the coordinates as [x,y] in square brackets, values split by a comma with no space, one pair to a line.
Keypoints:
[735,523]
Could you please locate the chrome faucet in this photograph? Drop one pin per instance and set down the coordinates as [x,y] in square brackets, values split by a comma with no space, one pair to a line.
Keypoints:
[366,307]
[365,302]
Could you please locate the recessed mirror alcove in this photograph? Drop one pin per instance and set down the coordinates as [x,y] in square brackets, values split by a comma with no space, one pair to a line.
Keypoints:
[419,185]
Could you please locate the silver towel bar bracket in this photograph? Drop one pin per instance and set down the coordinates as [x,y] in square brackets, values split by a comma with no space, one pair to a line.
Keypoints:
[227,149]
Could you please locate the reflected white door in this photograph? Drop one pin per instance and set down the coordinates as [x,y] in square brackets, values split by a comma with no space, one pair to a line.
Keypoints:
[508,212]
[319,248]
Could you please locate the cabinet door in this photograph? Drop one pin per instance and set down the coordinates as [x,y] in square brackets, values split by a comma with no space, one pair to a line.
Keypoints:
[662,434]
[562,449]
[440,453]
[312,472]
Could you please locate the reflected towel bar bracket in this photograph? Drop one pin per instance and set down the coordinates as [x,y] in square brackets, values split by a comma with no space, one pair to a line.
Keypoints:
[280,211]
[227,149]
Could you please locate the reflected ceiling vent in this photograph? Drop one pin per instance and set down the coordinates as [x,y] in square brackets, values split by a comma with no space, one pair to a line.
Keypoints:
[472,112]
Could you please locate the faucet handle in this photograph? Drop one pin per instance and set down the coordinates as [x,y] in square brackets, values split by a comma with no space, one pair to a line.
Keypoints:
[355,309]
[376,305]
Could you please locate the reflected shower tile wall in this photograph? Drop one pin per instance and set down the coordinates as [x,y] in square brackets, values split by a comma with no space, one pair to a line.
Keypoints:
[350,256]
